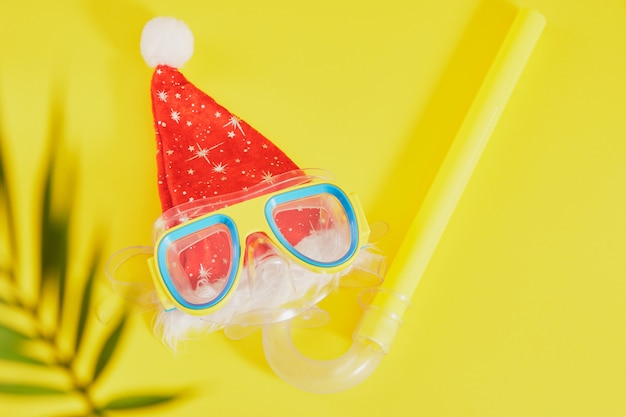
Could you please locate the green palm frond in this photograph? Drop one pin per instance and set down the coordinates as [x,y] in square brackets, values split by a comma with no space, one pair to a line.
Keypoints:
[7,271]
[17,338]
[130,402]
[108,348]
[85,305]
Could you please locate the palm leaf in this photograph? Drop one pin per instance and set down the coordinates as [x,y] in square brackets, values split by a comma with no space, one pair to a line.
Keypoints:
[22,389]
[54,240]
[47,227]
[4,299]
[54,256]
[5,196]
[3,177]
[7,272]
[54,221]
[3,180]
[9,335]
[138,401]
[48,230]
[4,189]
[93,414]
[14,354]
[86,298]
[11,343]
[108,348]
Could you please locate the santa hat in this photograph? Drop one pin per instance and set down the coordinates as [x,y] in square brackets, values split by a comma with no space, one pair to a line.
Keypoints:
[203,150]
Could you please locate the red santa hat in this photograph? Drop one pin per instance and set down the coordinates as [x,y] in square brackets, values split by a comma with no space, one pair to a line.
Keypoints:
[203,150]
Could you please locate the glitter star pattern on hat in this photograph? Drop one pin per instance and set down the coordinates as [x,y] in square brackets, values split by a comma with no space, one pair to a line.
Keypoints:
[203,150]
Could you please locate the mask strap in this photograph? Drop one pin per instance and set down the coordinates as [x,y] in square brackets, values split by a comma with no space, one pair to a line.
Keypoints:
[128,274]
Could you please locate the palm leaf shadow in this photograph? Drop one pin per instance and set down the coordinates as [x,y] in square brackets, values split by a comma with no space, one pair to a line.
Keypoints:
[58,195]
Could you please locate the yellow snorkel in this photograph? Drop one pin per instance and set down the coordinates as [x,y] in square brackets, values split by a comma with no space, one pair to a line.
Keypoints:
[378,326]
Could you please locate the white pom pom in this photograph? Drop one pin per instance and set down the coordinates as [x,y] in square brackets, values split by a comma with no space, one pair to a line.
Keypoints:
[166,41]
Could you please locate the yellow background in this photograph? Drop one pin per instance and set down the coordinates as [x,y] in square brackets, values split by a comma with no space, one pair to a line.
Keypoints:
[522,310]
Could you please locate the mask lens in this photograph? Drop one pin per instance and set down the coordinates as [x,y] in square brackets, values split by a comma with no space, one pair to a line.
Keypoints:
[201,264]
[316,227]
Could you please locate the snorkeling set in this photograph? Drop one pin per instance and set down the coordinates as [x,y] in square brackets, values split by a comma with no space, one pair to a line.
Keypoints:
[249,240]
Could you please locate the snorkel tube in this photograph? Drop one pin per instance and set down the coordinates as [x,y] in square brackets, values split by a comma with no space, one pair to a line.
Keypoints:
[382,317]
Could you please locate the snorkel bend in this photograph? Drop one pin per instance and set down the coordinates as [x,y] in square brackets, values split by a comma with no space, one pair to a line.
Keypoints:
[380,322]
